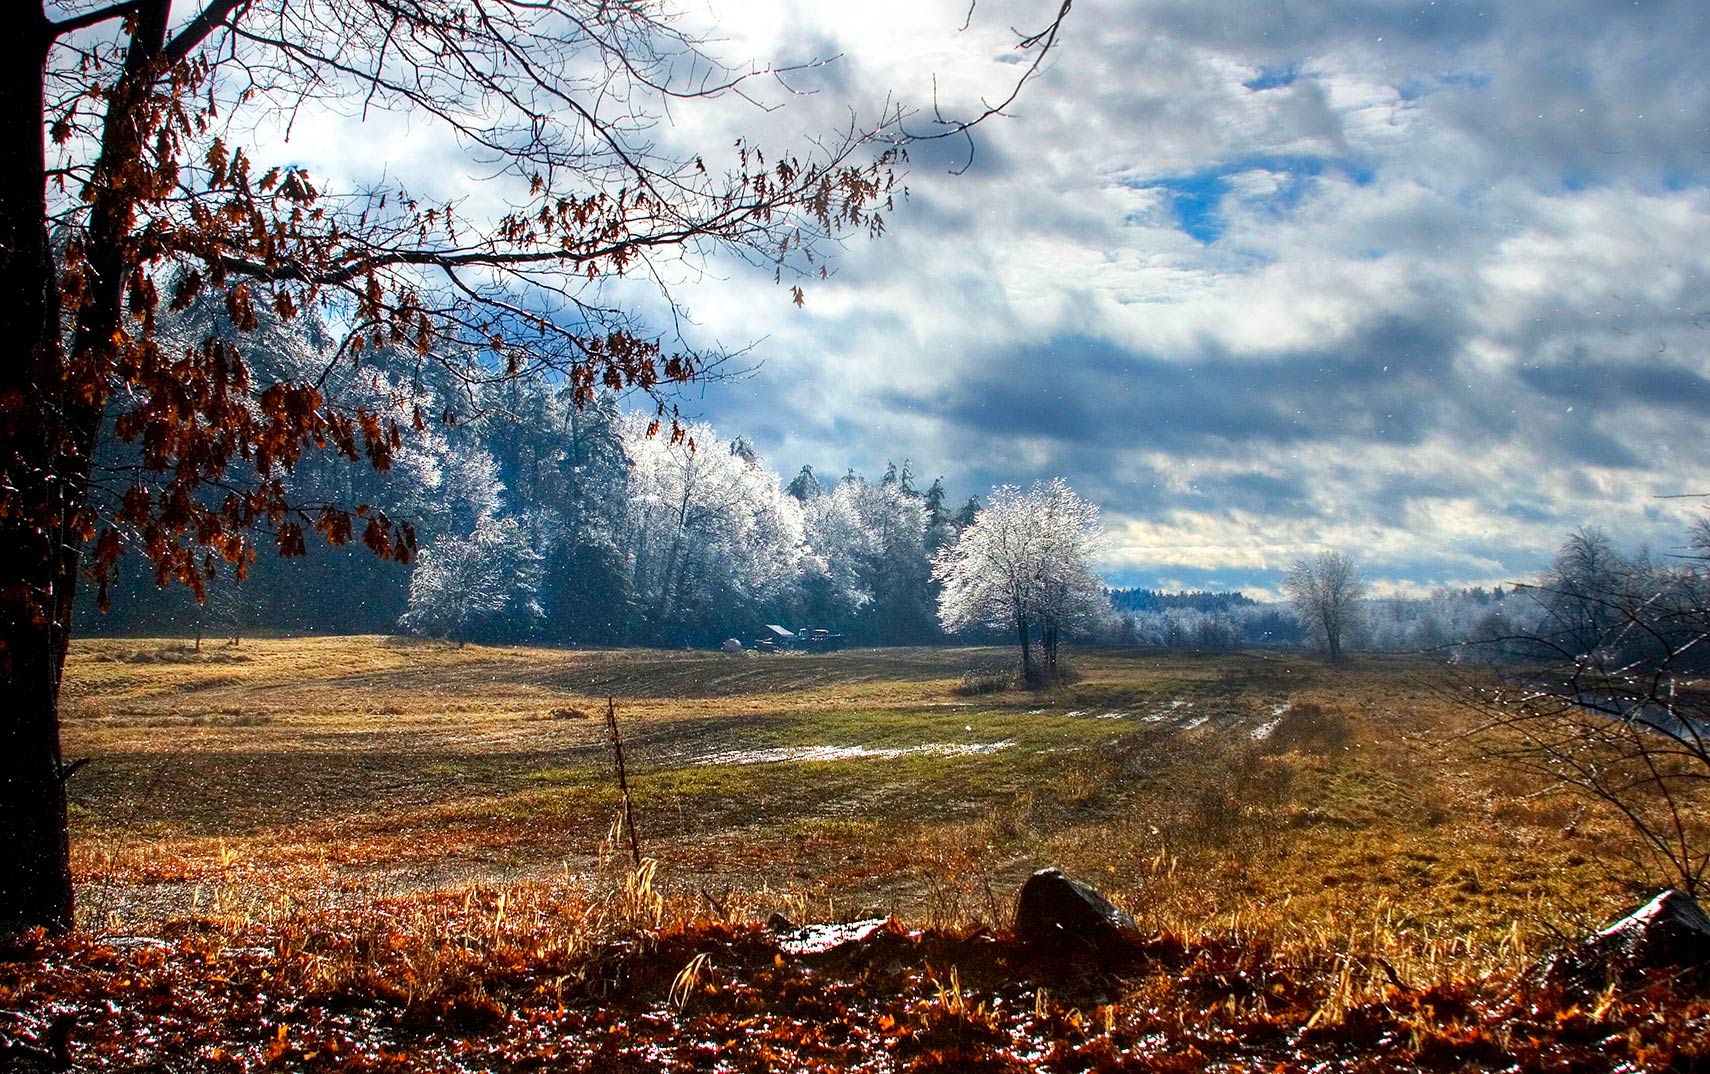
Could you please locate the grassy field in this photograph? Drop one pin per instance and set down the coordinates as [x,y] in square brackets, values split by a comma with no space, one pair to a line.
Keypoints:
[359,812]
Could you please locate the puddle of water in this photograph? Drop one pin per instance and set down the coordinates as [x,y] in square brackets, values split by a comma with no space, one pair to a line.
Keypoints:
[778,754]
[818,939]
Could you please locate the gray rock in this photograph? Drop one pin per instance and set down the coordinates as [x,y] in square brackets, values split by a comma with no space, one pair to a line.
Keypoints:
[1057,913]
[1669,932]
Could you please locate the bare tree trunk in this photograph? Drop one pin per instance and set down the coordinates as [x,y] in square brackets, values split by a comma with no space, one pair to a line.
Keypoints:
[1027,675]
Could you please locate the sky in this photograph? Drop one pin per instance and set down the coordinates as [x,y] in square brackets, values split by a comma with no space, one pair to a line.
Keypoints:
[1425,282]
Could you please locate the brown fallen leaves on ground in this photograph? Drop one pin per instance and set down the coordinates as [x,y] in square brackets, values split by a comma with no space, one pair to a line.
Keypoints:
[496,982]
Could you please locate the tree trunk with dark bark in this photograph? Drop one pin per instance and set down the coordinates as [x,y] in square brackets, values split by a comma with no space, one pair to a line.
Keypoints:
[50,419]
[36,552]
[1027,674]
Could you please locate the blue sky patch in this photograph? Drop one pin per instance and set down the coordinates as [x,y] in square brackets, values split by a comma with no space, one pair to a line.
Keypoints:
[1197,198]
[1273,77]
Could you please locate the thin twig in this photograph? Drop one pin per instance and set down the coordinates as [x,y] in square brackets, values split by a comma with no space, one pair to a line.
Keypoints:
[623,782]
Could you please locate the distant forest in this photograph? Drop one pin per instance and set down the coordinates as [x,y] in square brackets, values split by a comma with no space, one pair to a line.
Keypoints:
[1155,600]
[539,520]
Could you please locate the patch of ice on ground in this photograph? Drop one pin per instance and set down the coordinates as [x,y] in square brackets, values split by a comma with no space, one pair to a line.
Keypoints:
[1181,704]
[1195,722]
[959,749]
[1111,715]
[818,939]
[778,754]
[1075,712]
[1263,731]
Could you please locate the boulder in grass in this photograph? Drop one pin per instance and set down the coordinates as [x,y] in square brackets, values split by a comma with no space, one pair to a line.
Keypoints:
[1059,914]
[1670,932]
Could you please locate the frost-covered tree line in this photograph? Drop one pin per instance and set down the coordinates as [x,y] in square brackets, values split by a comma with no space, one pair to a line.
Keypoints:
[536,519]
[618,533]
[1458,624]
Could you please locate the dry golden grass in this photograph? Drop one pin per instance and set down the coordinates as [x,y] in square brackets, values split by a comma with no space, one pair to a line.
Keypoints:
[327,770]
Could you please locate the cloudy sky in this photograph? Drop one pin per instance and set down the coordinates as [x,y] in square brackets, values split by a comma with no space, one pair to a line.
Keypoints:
[1428,282]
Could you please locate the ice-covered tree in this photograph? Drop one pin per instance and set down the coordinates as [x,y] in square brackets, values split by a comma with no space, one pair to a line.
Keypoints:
[710,534]
[487,580]
[893,560]
[1326,594]
[1025,565]
[805,486]
[834,586]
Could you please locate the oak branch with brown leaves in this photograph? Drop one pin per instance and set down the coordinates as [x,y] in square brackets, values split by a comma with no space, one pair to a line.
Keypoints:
[137,180]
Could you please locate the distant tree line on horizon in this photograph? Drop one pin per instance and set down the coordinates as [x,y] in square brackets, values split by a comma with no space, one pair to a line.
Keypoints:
[1443,622]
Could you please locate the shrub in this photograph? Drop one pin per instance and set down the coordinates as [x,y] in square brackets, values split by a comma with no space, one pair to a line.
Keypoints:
[993,680]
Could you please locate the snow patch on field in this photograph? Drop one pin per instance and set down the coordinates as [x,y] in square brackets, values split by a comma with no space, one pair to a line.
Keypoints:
[1266,729]
[1195,722]
[777,754]
[1168,711]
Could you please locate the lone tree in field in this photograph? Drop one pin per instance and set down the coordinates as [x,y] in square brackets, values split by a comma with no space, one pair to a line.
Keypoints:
[129,187]
[1326,592]
[1024,564]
